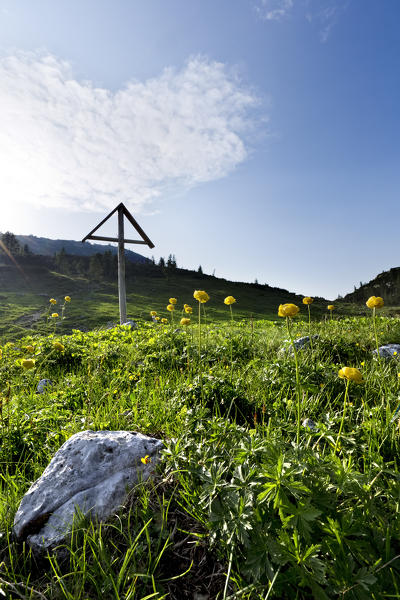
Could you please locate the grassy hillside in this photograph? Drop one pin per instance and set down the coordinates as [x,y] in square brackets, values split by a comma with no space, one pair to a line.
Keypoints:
[251,499]
[26,289]
[386,285]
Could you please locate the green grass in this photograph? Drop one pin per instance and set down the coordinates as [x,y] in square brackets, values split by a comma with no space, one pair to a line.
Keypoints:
[25,293]
[237,508]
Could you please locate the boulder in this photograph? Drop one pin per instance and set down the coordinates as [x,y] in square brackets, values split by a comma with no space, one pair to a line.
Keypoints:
[388,351]
[43,386]
[309,424]
[130,324]
[299,343]
[93,470]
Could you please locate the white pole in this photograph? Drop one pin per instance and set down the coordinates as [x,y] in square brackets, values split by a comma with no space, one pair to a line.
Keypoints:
[121,267]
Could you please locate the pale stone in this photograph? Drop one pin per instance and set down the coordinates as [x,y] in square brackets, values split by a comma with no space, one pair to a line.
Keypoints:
[43,386]
[93,470]
[309,424]
[130,324]
[299,343]
[389,351]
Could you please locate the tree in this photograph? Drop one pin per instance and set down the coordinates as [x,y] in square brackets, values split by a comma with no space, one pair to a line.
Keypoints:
[171,262]
[200,270]
[161,262]
[11,242]
[96,266]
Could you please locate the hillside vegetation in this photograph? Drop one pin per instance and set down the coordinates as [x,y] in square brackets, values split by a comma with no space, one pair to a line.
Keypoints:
[27,285]
[279,478]
[386,285]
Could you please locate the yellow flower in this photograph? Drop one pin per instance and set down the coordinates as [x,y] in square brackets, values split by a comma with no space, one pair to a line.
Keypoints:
[157,318]
[28,363]
[145,459]
[164,320]
[351,374]
[58,346]
[229,300]
[308,300]
[30,348]
[201,296]
[173,300]
[53,301]
[188,309]
[185,321]
[363,363]
[67,298]
[375,302]
[287,310]
[170,307]
[153,313]
[54,315]
[330,307]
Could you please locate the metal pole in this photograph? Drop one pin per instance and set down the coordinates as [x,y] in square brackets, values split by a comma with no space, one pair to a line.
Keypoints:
[121,267]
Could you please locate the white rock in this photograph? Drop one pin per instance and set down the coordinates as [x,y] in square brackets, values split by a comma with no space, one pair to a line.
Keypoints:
[130,324]
[43,386]
[389,351]
[309,424]
[299,343]
[93,470]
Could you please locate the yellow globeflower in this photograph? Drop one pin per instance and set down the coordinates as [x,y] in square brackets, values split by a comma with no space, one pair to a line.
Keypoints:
[53,301]
[157,318]
[173,300]
[188,309]
[308,300]
[229,300]
[28,363]
[287,310]
[351,374]
[330,307]
[375,302]
[54,315]
[170,307]
[185,321]
[153,313]
[67,298]
[58,346]
[30,348]
[145,459]
[164,320]
[201,296]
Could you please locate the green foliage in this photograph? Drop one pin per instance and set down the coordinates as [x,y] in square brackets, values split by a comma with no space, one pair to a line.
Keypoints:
[238,508]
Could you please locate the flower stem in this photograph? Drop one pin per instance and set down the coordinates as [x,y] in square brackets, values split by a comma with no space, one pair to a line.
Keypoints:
[344,413]
[297,379]
[200,363]
[309,327]
[376,336]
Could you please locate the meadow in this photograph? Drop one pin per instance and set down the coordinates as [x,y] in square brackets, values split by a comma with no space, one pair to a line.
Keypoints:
[279,478]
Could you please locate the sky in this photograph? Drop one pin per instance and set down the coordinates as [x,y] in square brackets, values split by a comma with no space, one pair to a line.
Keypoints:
[256,138]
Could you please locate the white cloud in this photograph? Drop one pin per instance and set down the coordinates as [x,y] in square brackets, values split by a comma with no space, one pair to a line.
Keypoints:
[324,13]
[66,143]
[274,10]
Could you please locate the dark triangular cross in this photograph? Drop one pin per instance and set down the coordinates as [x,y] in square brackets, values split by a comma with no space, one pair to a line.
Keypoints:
[122,211]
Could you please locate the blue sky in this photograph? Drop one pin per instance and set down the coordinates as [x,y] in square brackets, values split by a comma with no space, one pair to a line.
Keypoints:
[258,138]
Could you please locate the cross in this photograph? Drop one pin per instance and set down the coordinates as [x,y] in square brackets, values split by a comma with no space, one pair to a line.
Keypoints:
[122,212]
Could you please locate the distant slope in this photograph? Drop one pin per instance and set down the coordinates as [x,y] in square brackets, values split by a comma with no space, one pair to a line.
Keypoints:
[25,290]
[49,247]
[386,285]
